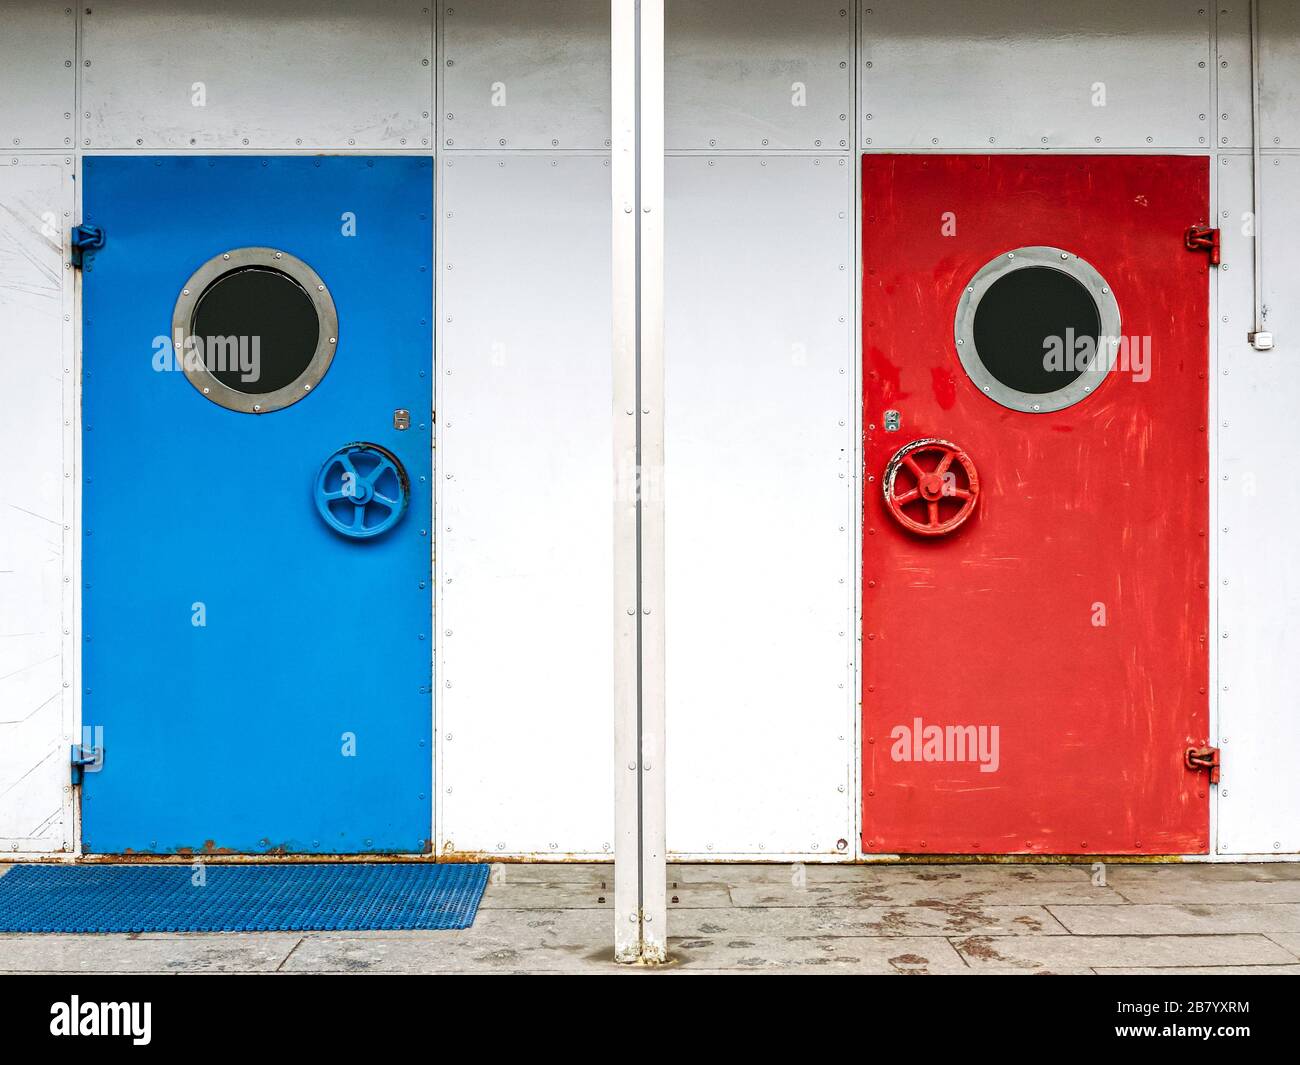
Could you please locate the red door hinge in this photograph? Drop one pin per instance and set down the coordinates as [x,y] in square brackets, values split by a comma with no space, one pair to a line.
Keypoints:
[1206,758]
[1202,238]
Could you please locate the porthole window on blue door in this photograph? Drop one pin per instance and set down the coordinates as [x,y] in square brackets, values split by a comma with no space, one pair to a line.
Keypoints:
[255,329]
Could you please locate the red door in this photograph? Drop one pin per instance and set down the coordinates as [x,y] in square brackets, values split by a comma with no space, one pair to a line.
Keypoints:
[1034,593]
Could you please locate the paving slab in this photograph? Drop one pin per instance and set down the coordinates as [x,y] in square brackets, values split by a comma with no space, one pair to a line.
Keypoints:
[1061,953]
[515,895]
[1203,970]
[552,873]
[1180,919]
[878,873]
[799,954]
[902,892]
[481,951]
[943,918]
[1289,940]
[229,952]
[1190,889]
[1199,872]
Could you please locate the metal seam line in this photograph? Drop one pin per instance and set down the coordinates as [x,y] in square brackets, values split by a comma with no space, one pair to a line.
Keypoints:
[640,560]
[1256,181]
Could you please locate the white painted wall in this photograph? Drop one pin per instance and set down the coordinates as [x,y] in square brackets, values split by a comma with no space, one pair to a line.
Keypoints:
[1006,74]
[525,563]
[38,76]
[1258,589]
[258,74]
[37,556]
[755,74]
[759,493]
[525,75]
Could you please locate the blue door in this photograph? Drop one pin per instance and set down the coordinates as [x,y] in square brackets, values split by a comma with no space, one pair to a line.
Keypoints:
[257,412]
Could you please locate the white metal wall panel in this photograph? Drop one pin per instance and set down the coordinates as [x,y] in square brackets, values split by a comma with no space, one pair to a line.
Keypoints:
[1279,83]
[525,75]
[525,520]
[760,504]
[1279,75]
[1232,75]
[38,47]
[759,73]
[1259,511]
[1005,74]
[257,74]
[36,574]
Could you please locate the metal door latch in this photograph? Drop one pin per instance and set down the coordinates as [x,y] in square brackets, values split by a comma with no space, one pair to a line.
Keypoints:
[84,238]
[1206,758]
[85,759]
[401,419]
[1203,238]
[892,421]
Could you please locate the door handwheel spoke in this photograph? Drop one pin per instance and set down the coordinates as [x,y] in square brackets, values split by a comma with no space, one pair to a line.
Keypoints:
[383,467]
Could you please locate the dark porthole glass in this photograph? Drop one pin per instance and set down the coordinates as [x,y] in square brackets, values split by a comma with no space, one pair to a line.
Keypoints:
[259,329]
[1026,315]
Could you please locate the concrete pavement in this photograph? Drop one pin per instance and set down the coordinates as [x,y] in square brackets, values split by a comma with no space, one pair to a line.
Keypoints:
[904,919]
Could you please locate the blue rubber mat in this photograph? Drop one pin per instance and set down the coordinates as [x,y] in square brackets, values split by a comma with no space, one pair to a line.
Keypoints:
[239,898]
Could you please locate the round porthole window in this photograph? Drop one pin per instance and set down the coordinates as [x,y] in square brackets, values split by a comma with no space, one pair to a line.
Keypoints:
[1037,329]
[255,329]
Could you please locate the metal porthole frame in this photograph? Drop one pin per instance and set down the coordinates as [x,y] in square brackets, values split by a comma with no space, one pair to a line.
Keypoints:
[1107,313]
[272,259]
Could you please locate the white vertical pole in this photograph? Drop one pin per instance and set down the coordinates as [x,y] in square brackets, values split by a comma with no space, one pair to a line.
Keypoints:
[654,871]
[640,911]
[627,651]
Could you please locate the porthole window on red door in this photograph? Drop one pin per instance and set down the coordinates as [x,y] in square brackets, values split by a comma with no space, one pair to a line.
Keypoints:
[1037,329]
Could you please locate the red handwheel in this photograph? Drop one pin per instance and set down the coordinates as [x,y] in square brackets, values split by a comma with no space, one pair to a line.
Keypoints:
[931,487]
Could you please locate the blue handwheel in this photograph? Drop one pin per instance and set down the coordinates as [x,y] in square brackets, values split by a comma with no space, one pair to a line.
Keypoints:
[362,491]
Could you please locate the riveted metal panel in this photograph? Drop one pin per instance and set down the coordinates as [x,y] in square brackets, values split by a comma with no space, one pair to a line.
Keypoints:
[1232,75]
[1279,74]
[38,48]
[525,563]
[531,75]
[758,74]
[37,543]
[257,74]
[760,509]
[1259,508]
[1004,74]
[1279,78]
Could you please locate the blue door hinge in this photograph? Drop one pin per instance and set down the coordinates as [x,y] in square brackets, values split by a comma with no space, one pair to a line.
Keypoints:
[85,237]
[85,758]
